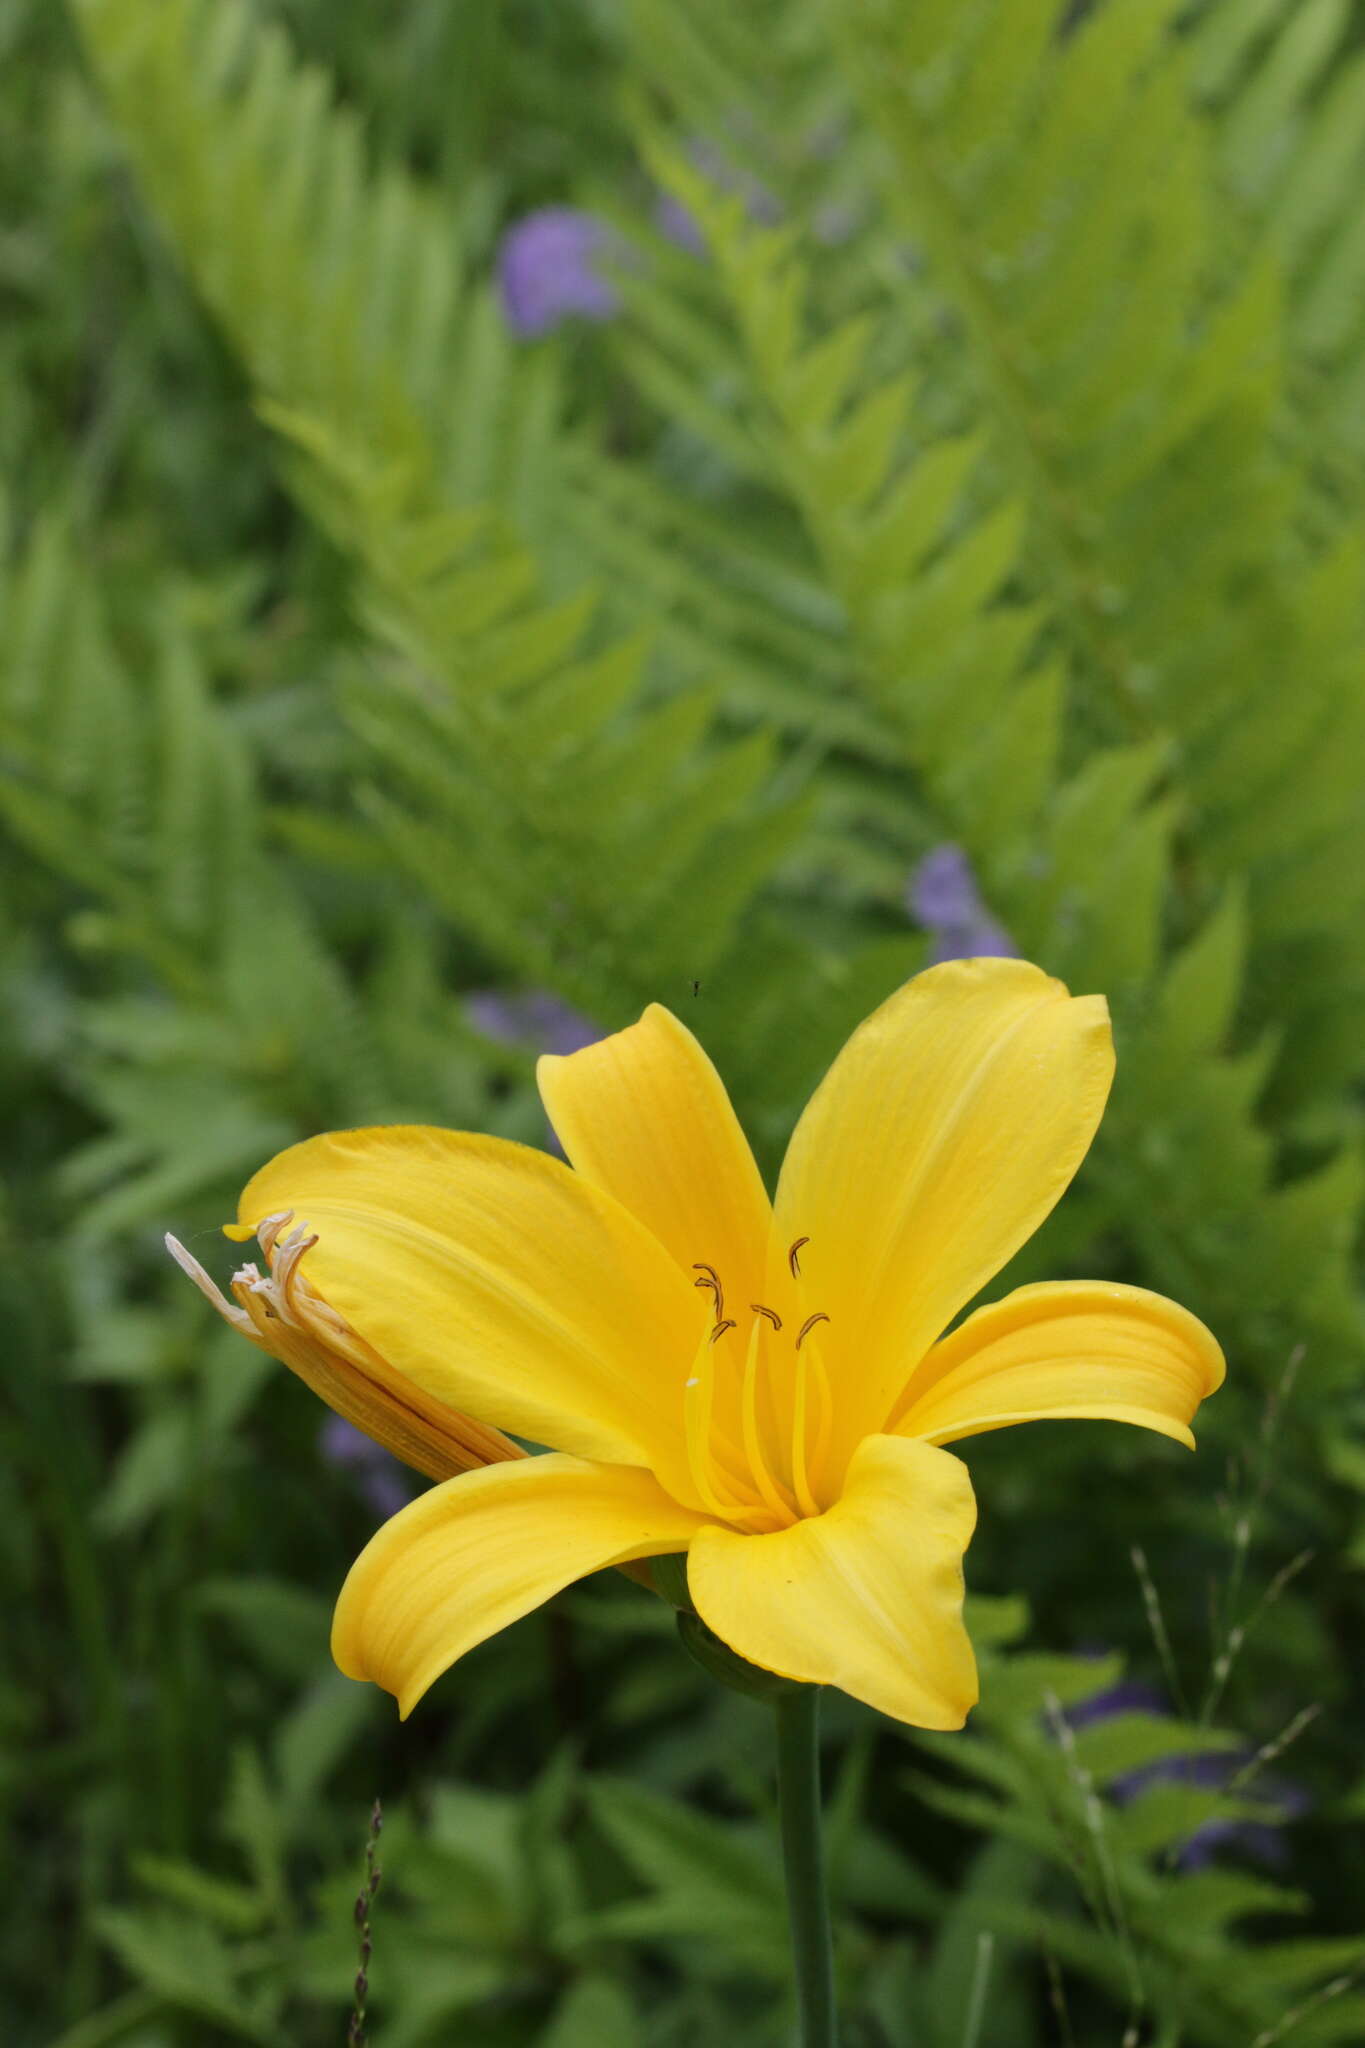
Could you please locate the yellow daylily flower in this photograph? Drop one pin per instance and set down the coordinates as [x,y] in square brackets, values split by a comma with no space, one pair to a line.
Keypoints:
[764,1385]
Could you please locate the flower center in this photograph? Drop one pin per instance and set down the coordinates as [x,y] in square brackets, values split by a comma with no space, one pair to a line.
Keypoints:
[759,1411]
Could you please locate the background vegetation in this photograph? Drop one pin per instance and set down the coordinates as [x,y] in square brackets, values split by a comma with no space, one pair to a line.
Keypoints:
[970,451]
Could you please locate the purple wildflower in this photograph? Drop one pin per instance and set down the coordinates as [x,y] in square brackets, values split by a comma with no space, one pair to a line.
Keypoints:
[379,1478]
[1206,1770]
[944,897]
[533,1018]
[548,270]
[1214,1771]
[1129,1696]
[679,224]
[676,221]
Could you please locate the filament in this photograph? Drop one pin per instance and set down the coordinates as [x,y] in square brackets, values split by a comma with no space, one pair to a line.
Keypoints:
[700,1411]
[800,1474]
[774,1494]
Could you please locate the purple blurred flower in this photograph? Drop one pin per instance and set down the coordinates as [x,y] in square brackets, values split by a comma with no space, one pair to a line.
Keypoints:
[835,221]
[379,1478]
[943,896]
[1206,1770]
[679,224]
[1129,1696]
[674,219]
[548,270]
[533,1018]
[1214,1771]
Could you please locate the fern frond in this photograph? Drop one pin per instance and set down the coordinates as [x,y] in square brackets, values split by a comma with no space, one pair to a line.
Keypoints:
[341,291]
[1107,1804]
[927,563]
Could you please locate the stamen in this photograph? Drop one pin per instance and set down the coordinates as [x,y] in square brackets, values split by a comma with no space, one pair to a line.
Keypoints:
[714,1489]
[207,1287]
[793,1261]
[824,1427]
[771,1313]
[721,1328]
[800,1463]
[285,1270]
[809,1325]
[711,1280]
[269,1228]
[774,1494]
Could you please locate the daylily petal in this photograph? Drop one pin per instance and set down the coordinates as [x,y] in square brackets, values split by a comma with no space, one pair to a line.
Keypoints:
[939,1140]
[867,1597]
[1065,1348]
[481,1550]
[645,1116]
[492,1277]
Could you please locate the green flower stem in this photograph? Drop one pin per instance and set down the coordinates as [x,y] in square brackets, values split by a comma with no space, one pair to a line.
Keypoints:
[798,1798]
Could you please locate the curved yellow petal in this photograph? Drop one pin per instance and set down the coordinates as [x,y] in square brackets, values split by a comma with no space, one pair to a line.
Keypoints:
[481,1550]
[867,1597]
[493,1278]
[644,1115]
[944,1133]
[1066,1348]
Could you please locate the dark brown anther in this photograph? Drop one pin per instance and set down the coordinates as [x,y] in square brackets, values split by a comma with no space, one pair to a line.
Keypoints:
[809,1325]
[771,1313]
[721,1328]
[710,1278]
[792,1259]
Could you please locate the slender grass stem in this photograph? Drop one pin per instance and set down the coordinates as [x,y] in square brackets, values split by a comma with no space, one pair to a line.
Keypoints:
[798,1797]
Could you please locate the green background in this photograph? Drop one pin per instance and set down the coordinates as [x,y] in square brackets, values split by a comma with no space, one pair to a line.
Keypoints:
[994,476]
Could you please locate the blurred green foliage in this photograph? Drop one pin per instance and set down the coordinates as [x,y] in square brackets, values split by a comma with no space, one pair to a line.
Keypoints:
[993,472]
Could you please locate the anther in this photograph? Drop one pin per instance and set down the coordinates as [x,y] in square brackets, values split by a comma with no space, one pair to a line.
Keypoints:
[809,1324]
[269,1228]
[721,1328]
[771,1313]
[792,1259]
[711,1279]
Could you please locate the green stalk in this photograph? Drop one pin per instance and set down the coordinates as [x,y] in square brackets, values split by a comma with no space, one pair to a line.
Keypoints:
[798,1799]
